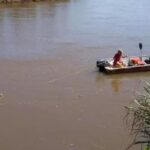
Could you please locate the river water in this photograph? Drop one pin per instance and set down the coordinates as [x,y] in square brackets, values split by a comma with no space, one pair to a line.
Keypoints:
[52,95]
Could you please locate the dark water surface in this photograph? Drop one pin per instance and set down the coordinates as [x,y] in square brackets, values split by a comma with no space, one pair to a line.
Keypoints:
[52,96]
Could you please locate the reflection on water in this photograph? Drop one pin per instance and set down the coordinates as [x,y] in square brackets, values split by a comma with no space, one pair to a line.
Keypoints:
[119,81]
[116,85]
[115,82]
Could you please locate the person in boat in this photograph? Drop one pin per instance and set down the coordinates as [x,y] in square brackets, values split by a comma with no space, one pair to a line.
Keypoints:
[117,59]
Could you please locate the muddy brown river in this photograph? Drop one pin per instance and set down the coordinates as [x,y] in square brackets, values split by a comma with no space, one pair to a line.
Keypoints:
[52,96]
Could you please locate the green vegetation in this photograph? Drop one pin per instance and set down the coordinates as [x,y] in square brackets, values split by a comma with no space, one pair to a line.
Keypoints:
[139,118]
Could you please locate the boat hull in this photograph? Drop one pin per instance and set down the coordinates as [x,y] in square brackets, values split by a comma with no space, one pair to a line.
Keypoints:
[130,69]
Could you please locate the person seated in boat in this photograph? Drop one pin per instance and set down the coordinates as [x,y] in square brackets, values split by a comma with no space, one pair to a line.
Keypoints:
[117,59]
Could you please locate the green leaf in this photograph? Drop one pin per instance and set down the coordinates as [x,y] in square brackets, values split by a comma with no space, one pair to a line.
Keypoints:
[147,147]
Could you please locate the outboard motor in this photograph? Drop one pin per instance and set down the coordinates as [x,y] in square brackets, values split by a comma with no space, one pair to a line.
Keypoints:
[101,64]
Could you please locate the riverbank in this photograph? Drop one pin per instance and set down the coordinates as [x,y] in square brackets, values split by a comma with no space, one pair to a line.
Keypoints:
[18,1]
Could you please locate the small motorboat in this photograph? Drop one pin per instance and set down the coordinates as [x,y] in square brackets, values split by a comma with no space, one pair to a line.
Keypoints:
[132,64]
[106,65]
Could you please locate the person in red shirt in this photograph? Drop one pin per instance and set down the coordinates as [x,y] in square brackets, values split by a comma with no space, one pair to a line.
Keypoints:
[117,60]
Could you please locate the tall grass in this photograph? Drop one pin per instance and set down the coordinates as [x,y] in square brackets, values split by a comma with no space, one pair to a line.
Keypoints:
[138,116]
